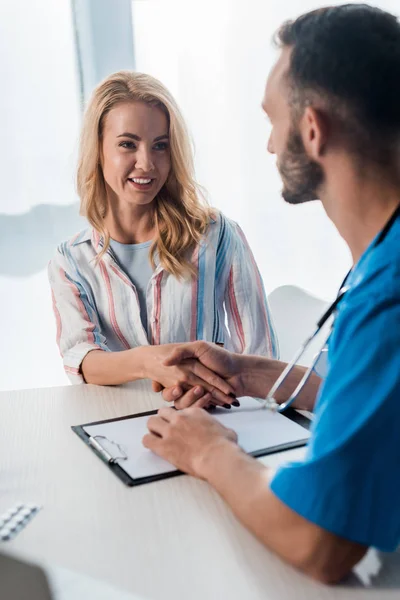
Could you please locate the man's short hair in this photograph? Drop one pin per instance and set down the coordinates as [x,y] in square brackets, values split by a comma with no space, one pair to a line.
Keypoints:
[348,58]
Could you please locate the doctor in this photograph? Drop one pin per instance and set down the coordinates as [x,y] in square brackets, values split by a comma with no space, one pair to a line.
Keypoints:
[333,99]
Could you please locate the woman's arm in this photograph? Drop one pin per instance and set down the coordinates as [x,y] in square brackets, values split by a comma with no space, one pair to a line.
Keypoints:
[249,318]
[88,359]
[147,362]
[111,368]
[78,328]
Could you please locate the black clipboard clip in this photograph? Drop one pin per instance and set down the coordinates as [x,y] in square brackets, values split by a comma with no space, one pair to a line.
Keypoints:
[105,454]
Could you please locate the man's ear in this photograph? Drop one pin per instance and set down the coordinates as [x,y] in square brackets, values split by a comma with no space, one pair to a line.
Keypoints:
[314,129]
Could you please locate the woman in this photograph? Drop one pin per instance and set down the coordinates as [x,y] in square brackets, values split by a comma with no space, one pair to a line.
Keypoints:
[157,266]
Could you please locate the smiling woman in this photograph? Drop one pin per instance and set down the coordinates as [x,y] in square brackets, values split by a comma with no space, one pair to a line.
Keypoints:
[157,266]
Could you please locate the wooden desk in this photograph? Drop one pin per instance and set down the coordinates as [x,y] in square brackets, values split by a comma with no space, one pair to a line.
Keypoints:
[170,539]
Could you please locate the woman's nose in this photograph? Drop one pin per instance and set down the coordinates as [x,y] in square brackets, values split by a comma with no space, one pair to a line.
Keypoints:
[144,160]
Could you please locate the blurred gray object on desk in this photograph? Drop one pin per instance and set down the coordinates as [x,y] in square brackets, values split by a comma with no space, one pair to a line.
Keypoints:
[21,580]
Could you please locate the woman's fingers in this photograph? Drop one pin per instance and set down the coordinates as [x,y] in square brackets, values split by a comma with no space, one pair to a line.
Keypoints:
[205,401]
[157,387]
[172,394]
[191,397]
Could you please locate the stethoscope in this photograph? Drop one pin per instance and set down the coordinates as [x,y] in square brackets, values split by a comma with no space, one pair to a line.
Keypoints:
[269,401]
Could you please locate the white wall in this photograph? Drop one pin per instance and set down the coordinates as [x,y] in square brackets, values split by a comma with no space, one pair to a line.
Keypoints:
[214,56]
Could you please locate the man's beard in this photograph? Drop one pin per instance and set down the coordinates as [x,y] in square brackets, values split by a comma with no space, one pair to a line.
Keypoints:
[301,176]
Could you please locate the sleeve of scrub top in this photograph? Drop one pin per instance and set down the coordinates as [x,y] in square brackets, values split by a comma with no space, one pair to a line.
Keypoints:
[249,318]
[321,366]
[78,330]
[349,482]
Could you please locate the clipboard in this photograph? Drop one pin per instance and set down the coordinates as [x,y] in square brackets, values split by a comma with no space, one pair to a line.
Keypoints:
[110,462]
[111,452]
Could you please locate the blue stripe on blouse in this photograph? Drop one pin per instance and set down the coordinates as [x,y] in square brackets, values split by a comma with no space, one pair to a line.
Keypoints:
[200,292]
[87,299]
[222,250]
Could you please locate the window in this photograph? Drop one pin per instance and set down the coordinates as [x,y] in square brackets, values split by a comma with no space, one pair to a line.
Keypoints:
[40,111]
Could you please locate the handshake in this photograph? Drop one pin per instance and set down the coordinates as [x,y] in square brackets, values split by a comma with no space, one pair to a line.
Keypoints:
[204,375]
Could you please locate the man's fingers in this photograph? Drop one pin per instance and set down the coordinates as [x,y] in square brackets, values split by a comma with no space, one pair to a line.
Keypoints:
[204,402]
[166,413]
[178,355]
[213,379]
[219,397]
[157,425]
[151,441]
[185,351]
[233,436]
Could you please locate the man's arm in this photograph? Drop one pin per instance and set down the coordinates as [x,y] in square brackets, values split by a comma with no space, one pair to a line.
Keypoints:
[249,375]
[199,445]
[315,551]
[259,374]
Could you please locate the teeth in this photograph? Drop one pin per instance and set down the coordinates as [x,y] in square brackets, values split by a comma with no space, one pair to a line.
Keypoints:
[141,181]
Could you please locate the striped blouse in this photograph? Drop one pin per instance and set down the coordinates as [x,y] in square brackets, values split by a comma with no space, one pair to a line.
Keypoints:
[96,305]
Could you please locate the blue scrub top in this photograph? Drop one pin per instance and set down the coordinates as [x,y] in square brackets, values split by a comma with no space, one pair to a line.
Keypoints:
[349,482]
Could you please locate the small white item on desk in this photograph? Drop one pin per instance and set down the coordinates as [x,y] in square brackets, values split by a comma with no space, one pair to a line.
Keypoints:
[15,519]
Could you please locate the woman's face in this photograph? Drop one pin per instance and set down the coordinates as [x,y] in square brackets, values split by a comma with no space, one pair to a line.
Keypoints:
[135,152]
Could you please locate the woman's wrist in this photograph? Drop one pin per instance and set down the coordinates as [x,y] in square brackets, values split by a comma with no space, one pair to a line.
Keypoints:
[138,365]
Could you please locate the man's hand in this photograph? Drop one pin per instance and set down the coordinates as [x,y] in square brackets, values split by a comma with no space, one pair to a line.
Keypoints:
[247,375]
[199,445]
[186,438]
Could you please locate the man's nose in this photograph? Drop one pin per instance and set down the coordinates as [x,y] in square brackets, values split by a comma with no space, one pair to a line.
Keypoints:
[270,145]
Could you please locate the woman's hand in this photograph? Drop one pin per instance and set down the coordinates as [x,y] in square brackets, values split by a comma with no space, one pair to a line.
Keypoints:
[215,359]
[166,365]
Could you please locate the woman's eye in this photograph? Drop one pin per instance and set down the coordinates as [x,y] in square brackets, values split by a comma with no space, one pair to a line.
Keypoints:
[161,146]
[128,145]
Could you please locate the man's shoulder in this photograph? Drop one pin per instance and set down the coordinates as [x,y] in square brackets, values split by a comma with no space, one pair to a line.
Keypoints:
[369,314]
[378,276]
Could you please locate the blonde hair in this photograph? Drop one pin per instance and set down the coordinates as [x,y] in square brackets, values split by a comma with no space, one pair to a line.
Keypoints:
[181,213]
